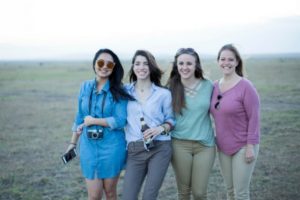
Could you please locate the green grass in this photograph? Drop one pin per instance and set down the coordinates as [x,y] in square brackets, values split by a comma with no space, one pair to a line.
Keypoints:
[38,104]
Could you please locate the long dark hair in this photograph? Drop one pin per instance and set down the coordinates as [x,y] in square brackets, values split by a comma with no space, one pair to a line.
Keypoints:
[239,68]
[175,84]
[116,85]
[155,72]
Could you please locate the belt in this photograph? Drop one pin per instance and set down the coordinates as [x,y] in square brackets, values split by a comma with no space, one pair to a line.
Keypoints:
[140,143]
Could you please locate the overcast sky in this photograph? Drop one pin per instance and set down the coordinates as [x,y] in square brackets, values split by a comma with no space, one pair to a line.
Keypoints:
[55,29]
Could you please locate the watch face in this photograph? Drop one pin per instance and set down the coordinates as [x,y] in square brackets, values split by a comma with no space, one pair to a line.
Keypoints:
[163,133]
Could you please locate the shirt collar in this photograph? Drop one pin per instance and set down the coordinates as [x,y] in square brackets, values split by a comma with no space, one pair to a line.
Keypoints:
[132,88]
[105,87]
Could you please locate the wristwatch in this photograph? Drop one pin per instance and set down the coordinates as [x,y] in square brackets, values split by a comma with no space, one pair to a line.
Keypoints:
[165,130]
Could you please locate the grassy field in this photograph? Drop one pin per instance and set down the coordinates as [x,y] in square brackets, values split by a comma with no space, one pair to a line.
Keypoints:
[38,102]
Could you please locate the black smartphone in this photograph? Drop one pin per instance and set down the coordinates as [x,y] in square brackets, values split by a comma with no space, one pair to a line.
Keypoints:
[69,155]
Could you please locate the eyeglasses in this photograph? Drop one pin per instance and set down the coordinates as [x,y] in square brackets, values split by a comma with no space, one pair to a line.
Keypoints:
[185,50]
[109,64]
[217,105]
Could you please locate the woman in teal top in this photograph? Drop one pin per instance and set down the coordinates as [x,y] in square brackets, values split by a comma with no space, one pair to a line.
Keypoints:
[199,120]
[193,137]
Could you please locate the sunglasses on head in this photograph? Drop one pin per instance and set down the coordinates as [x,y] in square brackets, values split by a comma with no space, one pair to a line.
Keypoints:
[109,64]
[185,50]
[217,105]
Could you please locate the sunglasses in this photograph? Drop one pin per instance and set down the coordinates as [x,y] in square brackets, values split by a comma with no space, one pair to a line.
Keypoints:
[109,64]
[217,105]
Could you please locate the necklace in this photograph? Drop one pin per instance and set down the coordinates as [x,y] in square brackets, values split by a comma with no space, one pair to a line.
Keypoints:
[142,94]
[142,88]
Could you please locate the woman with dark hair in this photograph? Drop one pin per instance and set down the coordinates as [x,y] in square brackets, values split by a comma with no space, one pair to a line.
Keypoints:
[192,138]
[99,123]
[149,120]
[235,108]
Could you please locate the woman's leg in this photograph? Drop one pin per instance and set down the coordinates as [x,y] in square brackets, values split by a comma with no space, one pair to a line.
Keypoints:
[94,188]
[204,158]
[157,168]
[182,160]
[136,169]
[226,170]
[242,173]
[110,188]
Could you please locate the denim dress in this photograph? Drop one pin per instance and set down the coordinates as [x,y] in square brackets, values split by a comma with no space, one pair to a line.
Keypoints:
[101,158]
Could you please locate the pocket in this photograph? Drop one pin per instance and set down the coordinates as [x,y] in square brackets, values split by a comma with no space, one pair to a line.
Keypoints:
[134,149]
[165,146]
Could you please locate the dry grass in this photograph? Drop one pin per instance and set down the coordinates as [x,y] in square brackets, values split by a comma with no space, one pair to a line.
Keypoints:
[38,102]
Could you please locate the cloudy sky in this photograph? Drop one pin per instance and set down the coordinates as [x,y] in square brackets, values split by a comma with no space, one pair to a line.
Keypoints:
[57,29]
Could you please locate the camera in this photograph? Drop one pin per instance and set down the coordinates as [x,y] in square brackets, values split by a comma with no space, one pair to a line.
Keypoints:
[69,155]
[95,134]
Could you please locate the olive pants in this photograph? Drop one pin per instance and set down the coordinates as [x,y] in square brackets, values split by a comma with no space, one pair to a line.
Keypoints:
[192,163]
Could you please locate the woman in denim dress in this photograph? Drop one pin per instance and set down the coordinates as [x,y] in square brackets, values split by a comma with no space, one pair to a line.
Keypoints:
[99,122]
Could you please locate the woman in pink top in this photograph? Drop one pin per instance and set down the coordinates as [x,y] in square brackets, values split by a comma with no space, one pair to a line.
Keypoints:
[235,108]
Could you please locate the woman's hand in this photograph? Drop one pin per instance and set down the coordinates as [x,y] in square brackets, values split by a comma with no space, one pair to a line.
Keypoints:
[71,146]
[79,129]
[153,132]
[249,154]
[89,120]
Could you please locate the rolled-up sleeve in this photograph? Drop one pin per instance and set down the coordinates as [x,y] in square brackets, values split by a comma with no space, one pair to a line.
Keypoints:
[79,115]
[119,115]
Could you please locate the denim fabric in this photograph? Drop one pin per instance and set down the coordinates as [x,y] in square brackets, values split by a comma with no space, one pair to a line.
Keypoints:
[103,158]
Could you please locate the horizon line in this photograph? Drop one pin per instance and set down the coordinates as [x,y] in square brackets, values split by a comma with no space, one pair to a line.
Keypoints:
[163,56]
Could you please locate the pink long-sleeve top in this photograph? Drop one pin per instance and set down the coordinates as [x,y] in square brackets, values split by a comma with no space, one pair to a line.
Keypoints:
[237,121]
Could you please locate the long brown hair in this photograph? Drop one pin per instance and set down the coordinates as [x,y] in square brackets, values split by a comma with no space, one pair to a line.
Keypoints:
[155,72]
[174,83]
[239,68]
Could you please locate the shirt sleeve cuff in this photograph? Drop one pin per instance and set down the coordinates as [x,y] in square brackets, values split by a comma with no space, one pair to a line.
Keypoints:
[253,139]
[111,122]
[171,124]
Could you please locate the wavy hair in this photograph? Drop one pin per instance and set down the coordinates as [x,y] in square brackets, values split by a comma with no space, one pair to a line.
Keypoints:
[155,72]
[174,82]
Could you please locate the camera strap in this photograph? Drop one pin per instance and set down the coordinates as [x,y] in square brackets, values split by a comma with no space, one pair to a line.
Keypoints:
[103,102]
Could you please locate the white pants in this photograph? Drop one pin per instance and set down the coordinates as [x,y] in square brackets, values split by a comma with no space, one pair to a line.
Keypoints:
[237,173]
